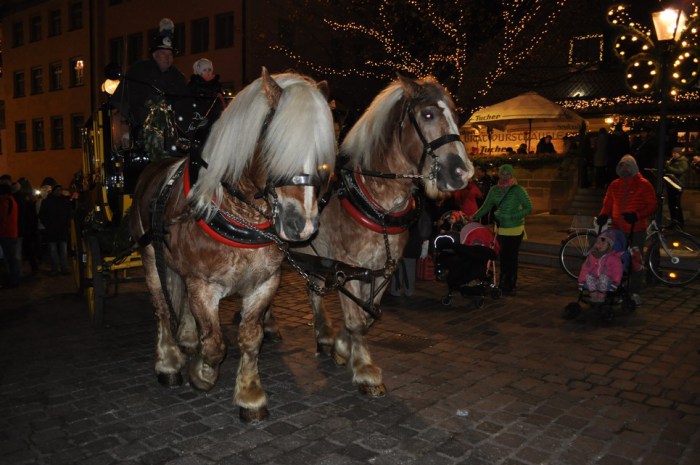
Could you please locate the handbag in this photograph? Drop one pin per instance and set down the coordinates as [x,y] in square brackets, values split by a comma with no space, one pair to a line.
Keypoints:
[425,269]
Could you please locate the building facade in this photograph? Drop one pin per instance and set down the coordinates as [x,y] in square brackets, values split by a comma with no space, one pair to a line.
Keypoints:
[54,53]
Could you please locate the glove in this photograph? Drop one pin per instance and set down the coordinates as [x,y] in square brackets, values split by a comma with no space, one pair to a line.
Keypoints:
[630,217]
[601,220]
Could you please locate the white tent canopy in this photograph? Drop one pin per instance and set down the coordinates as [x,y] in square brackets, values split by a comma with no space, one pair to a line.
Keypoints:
[524,112]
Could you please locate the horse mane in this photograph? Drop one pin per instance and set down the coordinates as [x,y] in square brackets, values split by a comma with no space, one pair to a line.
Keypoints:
[298,138]
[369,135]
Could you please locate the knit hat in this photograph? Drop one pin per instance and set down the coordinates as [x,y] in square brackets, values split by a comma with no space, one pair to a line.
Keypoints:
[164,39]
[627,167]
[506,169]
[201,64]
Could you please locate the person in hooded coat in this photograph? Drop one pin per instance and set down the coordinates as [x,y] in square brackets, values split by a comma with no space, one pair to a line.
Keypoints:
[208,100]
[629,201]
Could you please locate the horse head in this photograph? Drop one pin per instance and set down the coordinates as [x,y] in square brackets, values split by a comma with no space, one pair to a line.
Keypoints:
[429,134]
[275,140]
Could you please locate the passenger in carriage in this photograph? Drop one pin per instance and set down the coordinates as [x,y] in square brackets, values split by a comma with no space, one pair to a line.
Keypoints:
[147,81]
[208,101]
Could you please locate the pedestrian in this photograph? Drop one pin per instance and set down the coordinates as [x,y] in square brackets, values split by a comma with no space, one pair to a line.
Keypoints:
[511,204]
[208,100]
[600,159]
[629,201]
[404,278]
[674,178]
[8,231]
[467,198]
[545,145]
[618,145]
[522,149]
[55,215]
[30,236]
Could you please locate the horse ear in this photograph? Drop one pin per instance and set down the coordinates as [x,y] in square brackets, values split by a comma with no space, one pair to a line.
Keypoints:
[324,88]
[410,87]
[270,88]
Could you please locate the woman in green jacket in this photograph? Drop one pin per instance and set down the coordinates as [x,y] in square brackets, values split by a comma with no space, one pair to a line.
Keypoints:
[511,203]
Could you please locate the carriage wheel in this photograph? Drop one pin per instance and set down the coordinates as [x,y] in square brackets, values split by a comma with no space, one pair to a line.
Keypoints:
[95,292]
[78,250]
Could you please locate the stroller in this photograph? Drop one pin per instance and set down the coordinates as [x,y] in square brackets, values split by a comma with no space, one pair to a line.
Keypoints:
[604,278]
[466,261]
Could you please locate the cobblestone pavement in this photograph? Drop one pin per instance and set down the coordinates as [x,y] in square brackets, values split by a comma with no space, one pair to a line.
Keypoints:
[509,383]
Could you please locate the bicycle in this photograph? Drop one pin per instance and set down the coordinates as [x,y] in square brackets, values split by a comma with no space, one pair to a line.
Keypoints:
[672,256]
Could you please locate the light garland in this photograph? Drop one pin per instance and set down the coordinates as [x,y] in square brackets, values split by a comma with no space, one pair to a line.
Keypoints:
[524,22]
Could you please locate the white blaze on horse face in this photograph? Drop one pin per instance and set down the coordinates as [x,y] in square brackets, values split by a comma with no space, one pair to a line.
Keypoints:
[461,150]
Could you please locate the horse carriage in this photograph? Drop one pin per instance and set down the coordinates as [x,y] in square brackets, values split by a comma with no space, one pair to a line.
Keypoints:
[102,257]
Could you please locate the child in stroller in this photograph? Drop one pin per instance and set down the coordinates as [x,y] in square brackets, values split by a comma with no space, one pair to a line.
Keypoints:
[601,276]
[466,261]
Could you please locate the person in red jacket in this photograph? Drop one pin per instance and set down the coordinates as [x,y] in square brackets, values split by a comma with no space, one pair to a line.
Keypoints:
[467,198]
[629,201]
[8,232]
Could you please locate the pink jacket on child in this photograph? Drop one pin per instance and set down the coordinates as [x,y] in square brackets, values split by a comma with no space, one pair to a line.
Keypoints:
[606,270]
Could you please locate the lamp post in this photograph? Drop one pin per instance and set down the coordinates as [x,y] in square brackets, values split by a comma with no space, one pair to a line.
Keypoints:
[668,25]
[670,63]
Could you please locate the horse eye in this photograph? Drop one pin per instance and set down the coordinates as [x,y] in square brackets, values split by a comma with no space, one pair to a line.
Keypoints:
[428,115]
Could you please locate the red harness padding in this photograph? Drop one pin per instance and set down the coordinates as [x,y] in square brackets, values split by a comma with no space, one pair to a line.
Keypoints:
[367,222]
[228,239]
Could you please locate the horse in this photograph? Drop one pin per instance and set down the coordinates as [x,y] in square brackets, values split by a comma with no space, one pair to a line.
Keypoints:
[408,132]
[220,230]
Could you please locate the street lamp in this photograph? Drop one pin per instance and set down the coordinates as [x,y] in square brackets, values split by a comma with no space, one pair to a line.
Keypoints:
[672,63]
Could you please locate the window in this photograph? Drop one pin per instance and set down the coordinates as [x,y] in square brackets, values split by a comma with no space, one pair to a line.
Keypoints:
[116,50]
[76,15]
[179,37]
[56,76]
[37,81]
[38,134]
[586,50]
[19,90]
[34,28]
[54,23]
[57,132]
[18,34]
[76,127]
[20,136]
[200,35]
[77,72]
[224,30]
[134,48]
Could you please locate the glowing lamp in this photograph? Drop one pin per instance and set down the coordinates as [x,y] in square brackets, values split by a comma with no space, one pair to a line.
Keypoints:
[669,24]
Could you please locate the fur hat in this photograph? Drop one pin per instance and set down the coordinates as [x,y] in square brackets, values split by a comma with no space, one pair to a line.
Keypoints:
[200,64]
[164,39]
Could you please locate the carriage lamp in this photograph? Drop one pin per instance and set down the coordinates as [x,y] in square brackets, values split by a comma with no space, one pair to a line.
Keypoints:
[110,85]
[663,66]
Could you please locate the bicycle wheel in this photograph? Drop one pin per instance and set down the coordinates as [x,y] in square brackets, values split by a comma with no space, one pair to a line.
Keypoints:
[676,264]
[574,250]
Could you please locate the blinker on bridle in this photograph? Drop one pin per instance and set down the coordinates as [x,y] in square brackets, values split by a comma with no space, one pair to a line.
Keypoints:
[429,148]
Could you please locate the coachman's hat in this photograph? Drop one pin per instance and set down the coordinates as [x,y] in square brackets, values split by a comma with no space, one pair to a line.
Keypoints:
[164,39]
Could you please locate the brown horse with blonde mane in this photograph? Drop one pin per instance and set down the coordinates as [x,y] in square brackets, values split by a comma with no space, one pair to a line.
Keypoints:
[209,234]
[408,136]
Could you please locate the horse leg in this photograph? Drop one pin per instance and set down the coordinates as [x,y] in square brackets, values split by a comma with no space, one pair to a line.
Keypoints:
[187,334]
[323,329]
[350,343]
[249,394]
[271,330]
[169,359]
[204,304]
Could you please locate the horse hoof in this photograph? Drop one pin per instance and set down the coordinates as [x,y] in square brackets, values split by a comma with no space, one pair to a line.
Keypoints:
[372,390]
[250,415]
[170,379]
[272,336]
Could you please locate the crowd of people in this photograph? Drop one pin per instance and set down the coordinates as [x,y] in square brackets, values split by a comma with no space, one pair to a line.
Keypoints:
[34,229]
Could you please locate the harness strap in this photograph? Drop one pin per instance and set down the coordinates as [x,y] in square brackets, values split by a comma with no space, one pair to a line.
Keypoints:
[158,231]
